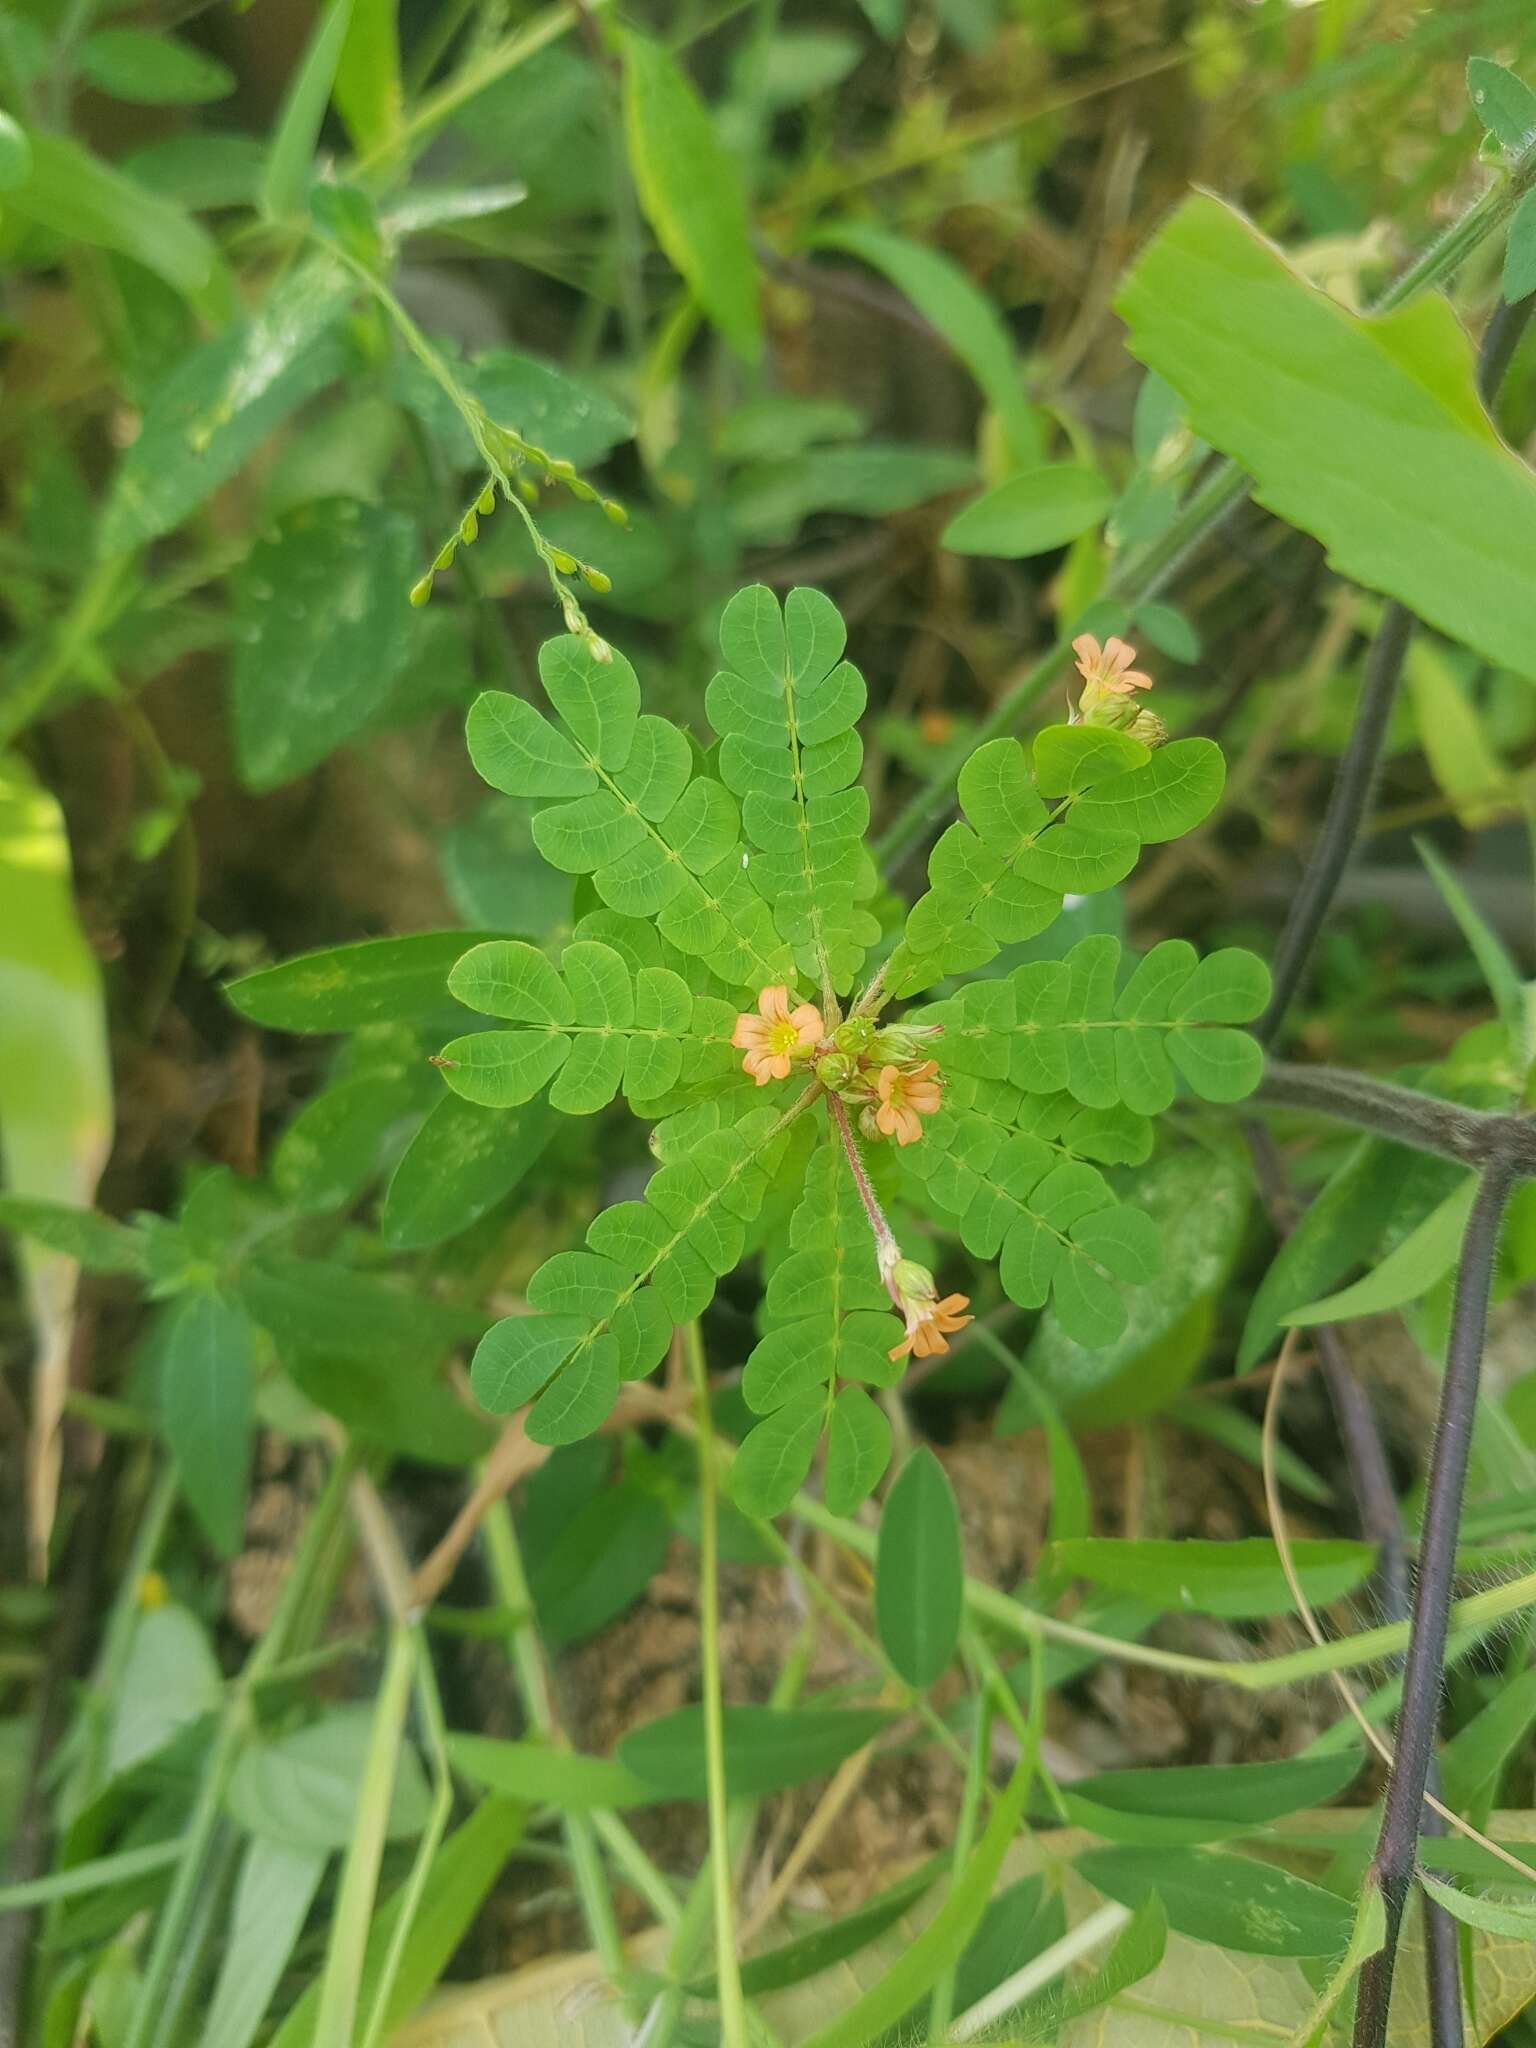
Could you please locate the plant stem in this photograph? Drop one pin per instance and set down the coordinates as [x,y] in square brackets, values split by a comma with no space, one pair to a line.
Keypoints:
[1141,578]
[1347,805]
[733,2007]
[1425,1123]
[1397,1846]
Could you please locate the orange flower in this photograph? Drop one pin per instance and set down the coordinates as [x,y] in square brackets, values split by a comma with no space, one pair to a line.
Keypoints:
[929,1323]
[777,1035]
[905,1099]
[1107,670]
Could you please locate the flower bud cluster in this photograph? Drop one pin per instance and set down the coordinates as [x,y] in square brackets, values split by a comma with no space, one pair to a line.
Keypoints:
[878,1069]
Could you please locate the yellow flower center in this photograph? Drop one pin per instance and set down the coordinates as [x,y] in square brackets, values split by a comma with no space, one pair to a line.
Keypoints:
[783,1037]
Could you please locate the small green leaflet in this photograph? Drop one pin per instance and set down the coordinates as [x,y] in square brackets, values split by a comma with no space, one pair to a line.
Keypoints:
[343,988]
[1506,103]
[1423,1257]
[767,1749]
[1241,1579]
[589,1029]
[1515,1919]
[1032,512]
[207,1411]
[1225,1899]
[787,706]
[546,1776]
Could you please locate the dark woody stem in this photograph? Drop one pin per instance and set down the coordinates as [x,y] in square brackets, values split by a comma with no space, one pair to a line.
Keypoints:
[1477,1137]
[1397,1846]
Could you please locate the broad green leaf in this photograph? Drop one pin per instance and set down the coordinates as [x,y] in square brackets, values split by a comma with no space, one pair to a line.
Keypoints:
[690,191]
[273,1895]
[1461,759]
[1193,1803]
[302,1789]
[1426,1255]
[396,1404]
[15,154]
[809,1954]
[55,1095]
[1031,513]
[336,1144]
[858,1450]
[84,1235]
[1505,103]
[1515,1918]
[1367,433]
[207,1411]
[767,1749]
[459,1878]
[591,1563]
[541,1775]
[344,988]
[1338,1230]
[1225,1899]
[315,1305]
[1499,971]
[323,625]
[170,1679]
[81,199]
[919,1571]
[460,1164]
[216,404]
[1240,1580]
[1473,1760]
[290,156]
[368,89]
[962,313]
[152,70]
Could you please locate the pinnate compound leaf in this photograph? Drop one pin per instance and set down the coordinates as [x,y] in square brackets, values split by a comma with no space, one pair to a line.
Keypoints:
[658,841]
[607,1313]
[1366,433]
[1069,818]
[919,1571]
[690,190]
[786,707]
[592,1026]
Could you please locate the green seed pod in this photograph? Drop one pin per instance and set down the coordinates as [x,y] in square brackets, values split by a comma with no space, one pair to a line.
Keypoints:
[595,579]
[615,512]
[485,504]
[527,490]
[580,490]
[469,528]
[421,591]
[445,554]
[562,469]
[566,564]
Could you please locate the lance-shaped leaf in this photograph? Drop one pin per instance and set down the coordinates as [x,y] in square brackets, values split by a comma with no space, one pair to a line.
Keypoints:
[1054,1226]
[1070,819]
[593,1026]
[606,1313]
[786,707]
[1057,1025]
[657,840]
[827,1318]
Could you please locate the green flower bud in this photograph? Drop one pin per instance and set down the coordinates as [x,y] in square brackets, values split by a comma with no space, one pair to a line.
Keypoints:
[421,591]
[566,564]
[562,469]
[856,1035]
[595,579]
[445,554]
[485,504]
[469,528]
[912,1281]
[615,512]
[868,1127]
[836,1070]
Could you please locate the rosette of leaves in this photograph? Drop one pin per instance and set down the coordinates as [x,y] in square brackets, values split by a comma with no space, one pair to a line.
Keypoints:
[719,871]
